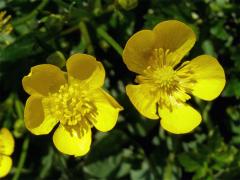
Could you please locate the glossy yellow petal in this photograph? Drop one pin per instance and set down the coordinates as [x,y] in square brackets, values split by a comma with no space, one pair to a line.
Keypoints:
[182,119]
[34,116]
[175,36]
[138,50]
[86,69]
[6,142]
[72,144]
[43,79]
[144,99]
[107,110]
[209,76]
[5,165]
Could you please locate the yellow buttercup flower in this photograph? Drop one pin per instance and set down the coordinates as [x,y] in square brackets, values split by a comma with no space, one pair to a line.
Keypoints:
[164,86]
[74,99]
[6,149]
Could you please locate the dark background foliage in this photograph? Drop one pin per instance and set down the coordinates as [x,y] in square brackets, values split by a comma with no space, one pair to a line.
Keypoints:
[137,148]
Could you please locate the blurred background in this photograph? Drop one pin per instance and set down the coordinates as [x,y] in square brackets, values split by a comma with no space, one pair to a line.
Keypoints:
[49,31]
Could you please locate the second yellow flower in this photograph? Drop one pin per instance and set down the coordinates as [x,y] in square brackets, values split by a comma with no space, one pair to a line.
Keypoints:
[75,99]
[164,86]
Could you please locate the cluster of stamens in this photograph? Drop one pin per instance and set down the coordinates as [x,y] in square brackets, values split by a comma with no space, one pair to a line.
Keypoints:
[72,107]
[170,85]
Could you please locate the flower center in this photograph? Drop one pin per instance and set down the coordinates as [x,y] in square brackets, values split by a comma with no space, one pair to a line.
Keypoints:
[165,78]
[169,86]
[72,107]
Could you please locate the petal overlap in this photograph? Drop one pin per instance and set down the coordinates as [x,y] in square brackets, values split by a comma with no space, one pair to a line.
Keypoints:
[6,142]
[86,69]
[6,149]
[144,99]
[5,165]
[107,111]
[138,49]
[35,118]
[175,36]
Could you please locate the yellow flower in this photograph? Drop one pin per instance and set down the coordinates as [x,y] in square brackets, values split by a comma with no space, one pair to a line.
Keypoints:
[74,99]
[164,86]
[5,27]
[6,149]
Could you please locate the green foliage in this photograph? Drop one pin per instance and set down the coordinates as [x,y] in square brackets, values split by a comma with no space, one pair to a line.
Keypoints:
[137,148]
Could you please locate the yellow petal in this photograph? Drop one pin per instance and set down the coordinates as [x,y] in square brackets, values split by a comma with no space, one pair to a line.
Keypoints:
[86,69]
[144,100]
[72,144]
[175,36]
[182,119]
[209,76]
[34,117]
[43,79]
[138,50]
[6,142]
[5,165]
[107,109]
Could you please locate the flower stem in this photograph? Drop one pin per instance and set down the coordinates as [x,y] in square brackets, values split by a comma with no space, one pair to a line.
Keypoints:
[86,37]
[69,30]
[22,159]
[101,32]
[32,14]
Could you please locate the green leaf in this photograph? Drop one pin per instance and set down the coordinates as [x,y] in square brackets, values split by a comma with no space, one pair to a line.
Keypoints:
[168,171]
[201,172]
[102,168]
[101,148]
[21,48]
[46,164]
[189,163]
[143,173]
[219,31]
[123,170]
[57,58]
[232,88]
[208,48]
[234,113]
[226,156]
[128,4]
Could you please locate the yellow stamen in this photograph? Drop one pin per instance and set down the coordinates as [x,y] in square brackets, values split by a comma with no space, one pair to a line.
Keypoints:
[171,86]
[72,107]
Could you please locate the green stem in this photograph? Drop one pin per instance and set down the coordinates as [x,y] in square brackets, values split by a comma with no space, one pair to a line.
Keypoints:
[167,173]
[19,108]
[32,14]
[22,159]
[69,30]
[151,164]
[206,116]
[102,33]
[86,37]
[205,108]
